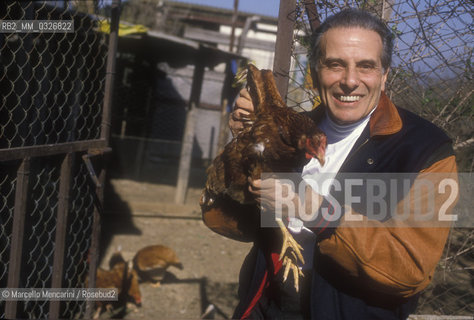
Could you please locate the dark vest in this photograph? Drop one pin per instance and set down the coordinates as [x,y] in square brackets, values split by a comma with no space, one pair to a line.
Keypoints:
[331,296]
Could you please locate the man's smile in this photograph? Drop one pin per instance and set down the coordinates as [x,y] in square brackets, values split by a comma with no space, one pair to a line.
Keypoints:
[352,98]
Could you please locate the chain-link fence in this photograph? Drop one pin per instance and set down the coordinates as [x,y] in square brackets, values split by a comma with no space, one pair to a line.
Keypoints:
[52,90]
[431,72]
[431,75]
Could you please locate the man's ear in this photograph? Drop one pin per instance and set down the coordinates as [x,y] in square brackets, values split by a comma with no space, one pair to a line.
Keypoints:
[384,78]
[314,77]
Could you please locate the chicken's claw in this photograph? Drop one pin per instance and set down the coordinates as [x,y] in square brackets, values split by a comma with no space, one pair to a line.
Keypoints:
[290,261]
[289,243]
[290,265]
[287,267]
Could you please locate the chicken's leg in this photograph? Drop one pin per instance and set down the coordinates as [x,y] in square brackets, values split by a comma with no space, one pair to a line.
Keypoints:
[290,261]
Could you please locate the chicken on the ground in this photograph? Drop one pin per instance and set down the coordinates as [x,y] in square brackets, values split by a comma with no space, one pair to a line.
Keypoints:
[151,263]
[121,276]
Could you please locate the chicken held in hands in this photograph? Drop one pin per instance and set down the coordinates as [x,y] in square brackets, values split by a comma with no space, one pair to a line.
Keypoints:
[274,138]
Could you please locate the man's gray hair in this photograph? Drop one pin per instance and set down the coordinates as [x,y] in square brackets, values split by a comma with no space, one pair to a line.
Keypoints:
[353,18]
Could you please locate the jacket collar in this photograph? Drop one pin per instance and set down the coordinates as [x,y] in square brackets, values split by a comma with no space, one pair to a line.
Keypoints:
[384,121]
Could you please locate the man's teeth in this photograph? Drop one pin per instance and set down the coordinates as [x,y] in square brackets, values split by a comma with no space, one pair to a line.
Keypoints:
[349,98]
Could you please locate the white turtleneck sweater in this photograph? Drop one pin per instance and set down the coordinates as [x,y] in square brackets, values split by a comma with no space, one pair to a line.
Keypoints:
[341,139]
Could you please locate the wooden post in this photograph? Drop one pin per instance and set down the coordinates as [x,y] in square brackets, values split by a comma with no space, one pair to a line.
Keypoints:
[235,16]
[105,135]
[188,138]
[61,231]
[16,248]
[110,70]
[284,40]
[313,16]
[223,126]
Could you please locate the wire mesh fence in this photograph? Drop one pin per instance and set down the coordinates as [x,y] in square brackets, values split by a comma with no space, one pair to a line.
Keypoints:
[52,90]
[7,192]
[431,72]
[431,75]
[78,241]
[50,80]
[39,230]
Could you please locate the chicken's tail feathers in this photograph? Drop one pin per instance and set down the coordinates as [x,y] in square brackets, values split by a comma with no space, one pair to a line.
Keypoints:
[263,90]
[271,89]
[116,259]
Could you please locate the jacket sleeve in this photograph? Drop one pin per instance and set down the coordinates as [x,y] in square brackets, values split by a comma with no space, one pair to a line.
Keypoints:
[395,257]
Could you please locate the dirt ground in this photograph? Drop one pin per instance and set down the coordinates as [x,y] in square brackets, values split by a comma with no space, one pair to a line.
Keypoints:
[139,214]
[146,215]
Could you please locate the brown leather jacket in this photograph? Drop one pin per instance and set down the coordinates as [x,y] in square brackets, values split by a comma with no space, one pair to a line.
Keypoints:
[389,257]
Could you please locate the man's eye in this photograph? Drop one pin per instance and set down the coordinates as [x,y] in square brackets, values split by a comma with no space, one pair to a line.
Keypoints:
[366,67]
[334,66]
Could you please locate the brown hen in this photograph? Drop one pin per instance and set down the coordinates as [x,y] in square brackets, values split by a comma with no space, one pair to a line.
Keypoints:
[120,276]
[151,263]
[274,139]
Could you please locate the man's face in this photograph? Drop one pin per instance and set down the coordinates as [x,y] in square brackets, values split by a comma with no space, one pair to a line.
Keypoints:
[350,76]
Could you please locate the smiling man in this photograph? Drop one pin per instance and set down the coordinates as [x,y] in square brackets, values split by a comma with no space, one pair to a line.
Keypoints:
[371,272]
[350,75]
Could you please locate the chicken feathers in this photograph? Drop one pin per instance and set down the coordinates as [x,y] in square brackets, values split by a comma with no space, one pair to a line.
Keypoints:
[275,138]
[120,276]
[151,263]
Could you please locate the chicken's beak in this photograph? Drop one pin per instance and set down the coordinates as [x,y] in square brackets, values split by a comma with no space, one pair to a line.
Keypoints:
[317,156]
[321,159]
[319,152]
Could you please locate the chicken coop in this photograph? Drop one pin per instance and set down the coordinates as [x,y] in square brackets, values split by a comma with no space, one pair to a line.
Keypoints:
[54,123]
[162,81]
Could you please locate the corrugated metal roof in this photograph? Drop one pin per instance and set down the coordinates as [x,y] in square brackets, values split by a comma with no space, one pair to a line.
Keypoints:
[177,52]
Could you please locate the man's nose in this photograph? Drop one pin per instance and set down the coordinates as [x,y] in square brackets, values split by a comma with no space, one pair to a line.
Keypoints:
[350,79]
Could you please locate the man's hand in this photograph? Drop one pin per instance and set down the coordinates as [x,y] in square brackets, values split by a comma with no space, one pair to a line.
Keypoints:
[270,191]
[281,198]
[243,108]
